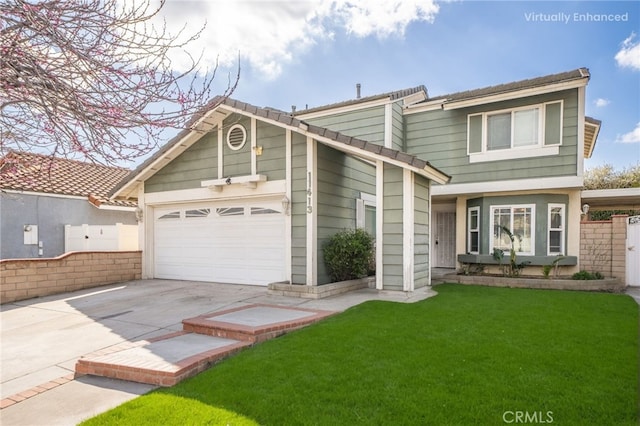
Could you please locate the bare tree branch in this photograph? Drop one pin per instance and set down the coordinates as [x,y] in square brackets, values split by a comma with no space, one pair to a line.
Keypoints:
[94,78]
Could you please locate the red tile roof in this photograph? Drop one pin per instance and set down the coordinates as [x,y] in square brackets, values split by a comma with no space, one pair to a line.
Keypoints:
[21,171]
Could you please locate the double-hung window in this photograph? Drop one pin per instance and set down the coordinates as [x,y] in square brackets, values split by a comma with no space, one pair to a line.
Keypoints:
[473,237]
[519,220]
[555,240]
[528,131]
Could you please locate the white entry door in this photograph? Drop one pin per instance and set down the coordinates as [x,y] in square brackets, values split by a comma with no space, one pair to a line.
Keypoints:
[633,251]
[240,242]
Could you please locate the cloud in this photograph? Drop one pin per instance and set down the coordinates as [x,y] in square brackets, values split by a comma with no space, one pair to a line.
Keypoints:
[629,54]
[269,34]
[601,102]
[631,137]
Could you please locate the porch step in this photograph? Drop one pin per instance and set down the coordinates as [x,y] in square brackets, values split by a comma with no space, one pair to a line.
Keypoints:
[254,323]
[206,339]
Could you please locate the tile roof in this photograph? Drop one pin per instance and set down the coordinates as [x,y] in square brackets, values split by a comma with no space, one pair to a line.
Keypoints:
[21,171]
[397,94]
[287,120]
[562,77]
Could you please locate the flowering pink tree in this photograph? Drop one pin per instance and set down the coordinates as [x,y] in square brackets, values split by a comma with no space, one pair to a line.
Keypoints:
[93,79]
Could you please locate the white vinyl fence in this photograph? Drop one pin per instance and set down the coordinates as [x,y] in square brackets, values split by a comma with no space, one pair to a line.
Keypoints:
[116,237]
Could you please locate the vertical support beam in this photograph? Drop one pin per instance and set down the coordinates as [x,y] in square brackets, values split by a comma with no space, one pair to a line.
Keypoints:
[407,230]
[572,222]
[287,220]
[312,212]
[220,151]
[461,227]
[146,235]
[379,225]
[388,126]
[254,144]
[581,112]
[430,233]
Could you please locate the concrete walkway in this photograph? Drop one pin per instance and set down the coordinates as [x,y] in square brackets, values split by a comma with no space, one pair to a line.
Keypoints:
[43,338]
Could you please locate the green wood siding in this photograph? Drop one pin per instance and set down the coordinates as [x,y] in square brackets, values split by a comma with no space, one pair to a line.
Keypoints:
[298,209]
[397,127]
[341,180]
[392,228]
[441,138]
[272,140]
[475,133]
[421,232]
[367,124]
[237,163]
[199,162]
[552,125]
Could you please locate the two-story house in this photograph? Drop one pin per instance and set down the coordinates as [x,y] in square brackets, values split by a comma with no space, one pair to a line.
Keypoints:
[249,194]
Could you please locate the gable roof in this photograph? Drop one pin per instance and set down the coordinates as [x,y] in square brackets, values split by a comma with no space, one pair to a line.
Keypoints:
[27,172]
[337,140]
[392,96]
[580,74]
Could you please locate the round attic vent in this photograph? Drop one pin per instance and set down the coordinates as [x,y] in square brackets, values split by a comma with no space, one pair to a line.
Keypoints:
[236,137]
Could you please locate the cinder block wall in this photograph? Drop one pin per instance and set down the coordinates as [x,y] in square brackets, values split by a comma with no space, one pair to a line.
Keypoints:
[26,278]
[602,247]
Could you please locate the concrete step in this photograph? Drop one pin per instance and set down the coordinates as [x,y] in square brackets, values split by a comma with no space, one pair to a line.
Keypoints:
[205,340]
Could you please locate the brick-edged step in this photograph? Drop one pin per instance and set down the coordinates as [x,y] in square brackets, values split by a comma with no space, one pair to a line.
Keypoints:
[162,361]
[253,323]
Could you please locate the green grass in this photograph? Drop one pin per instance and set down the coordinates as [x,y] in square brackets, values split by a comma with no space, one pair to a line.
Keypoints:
[466,356]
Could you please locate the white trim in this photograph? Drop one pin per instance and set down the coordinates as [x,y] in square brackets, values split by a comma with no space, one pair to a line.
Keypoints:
[114,208]
[274,187]
[581,121]
[610,193]
[408,248]
[250,181]
[388,126]
[430,207]
[344,108]
[288,223]
[379,225]
[254,144]
[220,153]
[312,196]
[511,207]
[469,230]
[563,228]
[513,153]
[435,105]
[515,94]
[361,205]
[508,185]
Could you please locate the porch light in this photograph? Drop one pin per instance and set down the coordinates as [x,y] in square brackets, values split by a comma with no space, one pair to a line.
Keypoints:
[585,209]
[285,205]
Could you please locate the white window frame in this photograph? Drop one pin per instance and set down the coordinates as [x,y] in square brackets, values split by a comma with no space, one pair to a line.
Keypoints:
[562,229]
[470,230]
[512,207]
[361,205]
[538,150]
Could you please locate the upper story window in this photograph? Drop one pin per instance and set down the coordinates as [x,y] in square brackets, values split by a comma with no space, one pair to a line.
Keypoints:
[531,131]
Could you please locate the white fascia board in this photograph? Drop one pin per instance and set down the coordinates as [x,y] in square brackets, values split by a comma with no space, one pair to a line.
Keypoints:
[114,208]
[508,185]
[276,187]
[523,93]
[610,193]
[345,108]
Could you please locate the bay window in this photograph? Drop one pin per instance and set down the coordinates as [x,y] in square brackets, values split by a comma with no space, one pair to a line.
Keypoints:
[555,240]
[520,221]
[473,237]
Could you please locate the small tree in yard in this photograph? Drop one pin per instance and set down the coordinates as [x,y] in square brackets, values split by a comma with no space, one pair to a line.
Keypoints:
[94,79]
[348,255]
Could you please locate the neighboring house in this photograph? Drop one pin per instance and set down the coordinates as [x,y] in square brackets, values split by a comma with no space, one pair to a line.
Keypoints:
[249,195]
[39,195]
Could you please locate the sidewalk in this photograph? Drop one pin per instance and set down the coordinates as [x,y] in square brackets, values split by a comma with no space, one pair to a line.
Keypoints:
[42,339]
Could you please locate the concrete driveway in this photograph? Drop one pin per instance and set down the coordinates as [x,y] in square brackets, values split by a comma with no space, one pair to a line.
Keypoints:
[43,338]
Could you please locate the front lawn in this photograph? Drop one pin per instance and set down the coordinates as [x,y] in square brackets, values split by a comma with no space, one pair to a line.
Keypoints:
[471,355]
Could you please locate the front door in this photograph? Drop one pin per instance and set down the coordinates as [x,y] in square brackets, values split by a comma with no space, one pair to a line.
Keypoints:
[444,240]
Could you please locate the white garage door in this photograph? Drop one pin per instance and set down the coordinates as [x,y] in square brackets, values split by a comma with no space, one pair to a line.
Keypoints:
[239,242]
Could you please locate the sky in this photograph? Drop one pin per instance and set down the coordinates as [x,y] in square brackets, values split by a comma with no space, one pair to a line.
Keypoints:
[314,52]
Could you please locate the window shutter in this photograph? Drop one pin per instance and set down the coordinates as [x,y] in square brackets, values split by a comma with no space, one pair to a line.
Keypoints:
[475,134]
[552,124]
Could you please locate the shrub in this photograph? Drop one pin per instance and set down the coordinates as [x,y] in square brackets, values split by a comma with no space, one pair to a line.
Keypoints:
[349,254]
[586,275]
